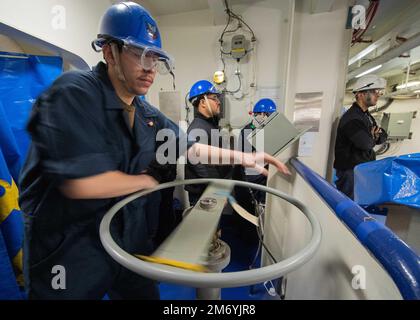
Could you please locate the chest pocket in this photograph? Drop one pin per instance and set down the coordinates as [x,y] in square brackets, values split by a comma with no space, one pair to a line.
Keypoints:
[145,130]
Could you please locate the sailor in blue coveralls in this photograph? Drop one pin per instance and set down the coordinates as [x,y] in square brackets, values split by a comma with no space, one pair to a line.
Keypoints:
[93,143]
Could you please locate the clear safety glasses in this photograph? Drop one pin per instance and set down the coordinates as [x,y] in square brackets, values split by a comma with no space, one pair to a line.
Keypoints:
[266,114]
[378,92]
[149,59]
[214,98]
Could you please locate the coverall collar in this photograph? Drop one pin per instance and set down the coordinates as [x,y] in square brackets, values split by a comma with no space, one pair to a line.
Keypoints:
[112,101]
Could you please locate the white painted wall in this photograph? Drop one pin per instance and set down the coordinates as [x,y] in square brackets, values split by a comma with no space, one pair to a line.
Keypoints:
[408,145]
[36,19]
[192,38]
[318,62]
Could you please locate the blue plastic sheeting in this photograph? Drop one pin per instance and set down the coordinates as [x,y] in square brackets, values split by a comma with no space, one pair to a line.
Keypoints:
[399,260]
[394,179]
[11,235]
[9,289]
[22,78]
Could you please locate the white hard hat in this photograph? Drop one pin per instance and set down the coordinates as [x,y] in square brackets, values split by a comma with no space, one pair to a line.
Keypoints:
[369,82]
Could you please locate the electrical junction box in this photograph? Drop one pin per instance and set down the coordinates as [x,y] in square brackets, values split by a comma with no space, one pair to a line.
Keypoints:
[397,125]
[276,134]
[238,48]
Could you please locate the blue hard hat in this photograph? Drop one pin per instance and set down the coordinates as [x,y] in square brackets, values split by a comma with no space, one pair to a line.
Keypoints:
[133,25]
[265,105]
[202,87]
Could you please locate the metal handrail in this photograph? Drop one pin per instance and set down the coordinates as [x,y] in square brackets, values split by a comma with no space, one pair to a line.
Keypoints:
[397,258]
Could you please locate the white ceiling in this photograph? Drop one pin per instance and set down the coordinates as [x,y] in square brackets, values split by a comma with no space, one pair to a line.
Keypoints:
[390,18]
[166,7]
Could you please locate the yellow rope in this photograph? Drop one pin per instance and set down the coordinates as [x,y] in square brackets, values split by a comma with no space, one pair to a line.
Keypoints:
[173,263]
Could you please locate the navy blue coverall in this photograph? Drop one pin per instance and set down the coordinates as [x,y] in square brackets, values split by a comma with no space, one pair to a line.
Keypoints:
[202,171]
[79,129]
[354,145]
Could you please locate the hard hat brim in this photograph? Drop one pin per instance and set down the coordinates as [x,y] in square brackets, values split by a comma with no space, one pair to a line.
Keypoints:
[101,40]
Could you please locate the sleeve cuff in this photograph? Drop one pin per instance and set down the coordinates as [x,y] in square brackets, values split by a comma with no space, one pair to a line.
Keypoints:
[81,166]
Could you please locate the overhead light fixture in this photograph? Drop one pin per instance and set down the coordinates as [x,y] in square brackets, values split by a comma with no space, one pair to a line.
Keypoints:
[408,85]
[369,71]
[362,54]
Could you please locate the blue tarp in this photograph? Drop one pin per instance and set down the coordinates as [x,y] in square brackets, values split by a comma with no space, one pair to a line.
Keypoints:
[22,78]
[11,235]
[393,179]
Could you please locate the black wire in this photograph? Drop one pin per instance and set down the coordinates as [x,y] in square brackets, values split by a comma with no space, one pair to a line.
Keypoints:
[251,266]
[223,32]
[262,244]
[265,247]
[259,232]
[173,79]
[234,30]
[240,86]
[237,17]
[241,20]
[223,61]
[255,203]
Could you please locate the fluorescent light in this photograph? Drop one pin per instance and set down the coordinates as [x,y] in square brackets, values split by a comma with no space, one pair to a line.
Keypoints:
[369,71]
[408,85]
[362,54]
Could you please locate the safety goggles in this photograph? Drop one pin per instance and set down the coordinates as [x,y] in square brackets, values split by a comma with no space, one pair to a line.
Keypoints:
[378,92]
[151,59]
[214,98]
[267,114]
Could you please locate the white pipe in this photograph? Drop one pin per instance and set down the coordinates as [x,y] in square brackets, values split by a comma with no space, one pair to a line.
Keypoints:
[408,74]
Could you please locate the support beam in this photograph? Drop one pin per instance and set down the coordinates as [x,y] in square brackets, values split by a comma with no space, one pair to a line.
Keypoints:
[390,54]
[320,6]
[406,21]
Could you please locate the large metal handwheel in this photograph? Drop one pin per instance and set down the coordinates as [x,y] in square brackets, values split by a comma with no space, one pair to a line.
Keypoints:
[209,280]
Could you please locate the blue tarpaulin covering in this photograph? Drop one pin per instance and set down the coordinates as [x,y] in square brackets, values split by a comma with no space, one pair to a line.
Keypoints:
[22,78]
[393,179]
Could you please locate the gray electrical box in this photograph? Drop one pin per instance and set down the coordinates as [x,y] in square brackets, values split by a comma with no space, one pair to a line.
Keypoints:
[277,133]
[238,49]
[397,125]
